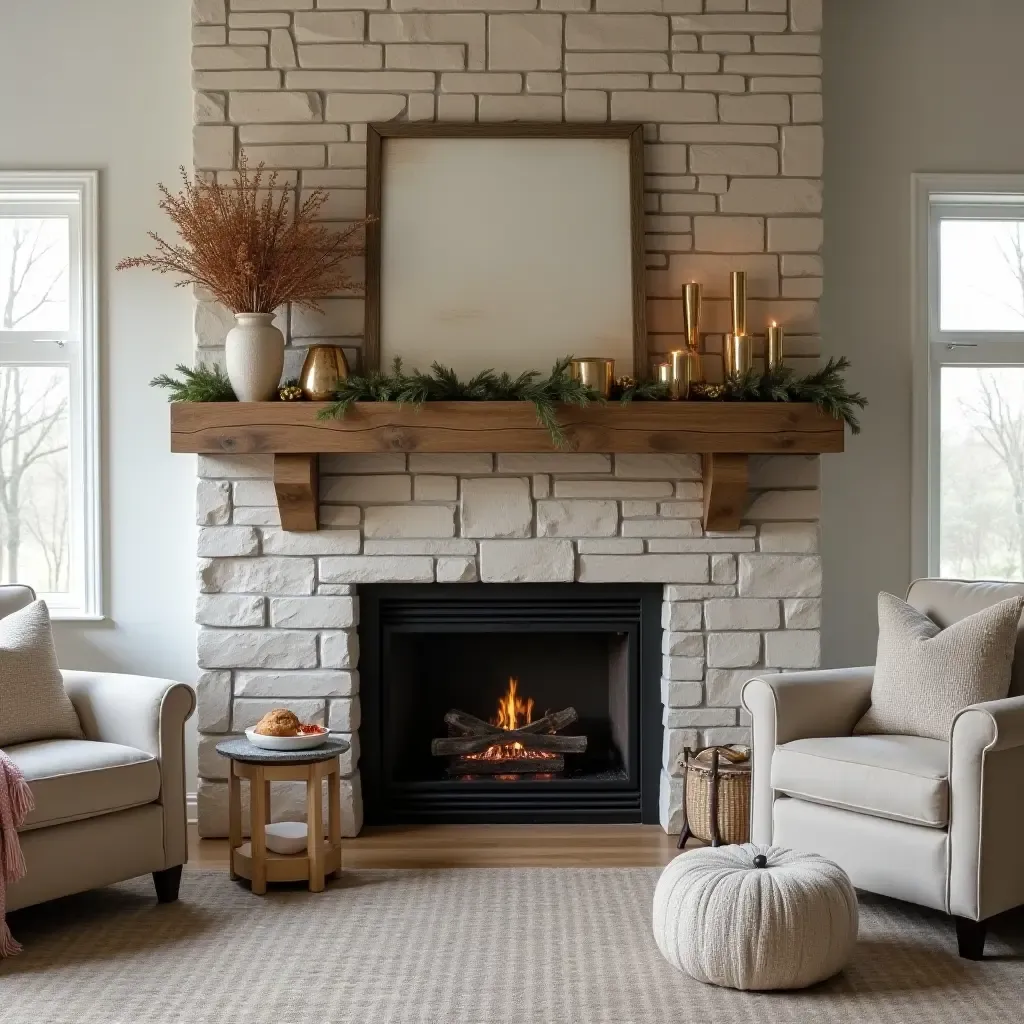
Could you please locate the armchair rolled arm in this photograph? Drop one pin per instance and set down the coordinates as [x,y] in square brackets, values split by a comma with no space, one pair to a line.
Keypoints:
[794,706]
[986,813]
[149,714]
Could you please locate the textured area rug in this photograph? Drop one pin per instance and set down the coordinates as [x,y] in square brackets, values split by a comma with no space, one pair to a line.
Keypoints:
[469,946]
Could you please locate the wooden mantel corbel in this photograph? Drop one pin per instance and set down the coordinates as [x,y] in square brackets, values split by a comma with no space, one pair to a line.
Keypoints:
[723,433]
[725,490]
[297,485]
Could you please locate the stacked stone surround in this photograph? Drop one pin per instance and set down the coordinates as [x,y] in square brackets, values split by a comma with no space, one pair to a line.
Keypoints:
[279,611]
[729,92]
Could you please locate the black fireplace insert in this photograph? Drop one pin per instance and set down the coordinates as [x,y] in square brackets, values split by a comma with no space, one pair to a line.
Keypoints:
[446,671]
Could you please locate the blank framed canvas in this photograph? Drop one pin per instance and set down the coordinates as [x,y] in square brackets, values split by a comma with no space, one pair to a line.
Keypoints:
[504,246]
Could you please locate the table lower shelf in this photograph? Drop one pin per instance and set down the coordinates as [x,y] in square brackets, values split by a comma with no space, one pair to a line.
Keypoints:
[284,867]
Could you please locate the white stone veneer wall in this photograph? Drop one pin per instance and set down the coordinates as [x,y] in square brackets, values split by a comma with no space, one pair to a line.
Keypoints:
[279,610]
[730,95]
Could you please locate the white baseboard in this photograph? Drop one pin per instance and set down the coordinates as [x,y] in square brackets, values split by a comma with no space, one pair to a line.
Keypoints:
[191,808]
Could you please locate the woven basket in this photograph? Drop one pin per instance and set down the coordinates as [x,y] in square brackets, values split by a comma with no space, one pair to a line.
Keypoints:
[727,771]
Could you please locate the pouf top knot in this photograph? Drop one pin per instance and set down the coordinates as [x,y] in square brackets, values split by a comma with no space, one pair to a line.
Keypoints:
[755,917]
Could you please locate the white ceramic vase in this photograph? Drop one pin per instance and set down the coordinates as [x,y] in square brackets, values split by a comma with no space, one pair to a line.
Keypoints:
[254,354]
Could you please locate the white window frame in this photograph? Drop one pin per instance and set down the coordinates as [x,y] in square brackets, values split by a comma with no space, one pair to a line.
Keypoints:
[937,197]
[76,348]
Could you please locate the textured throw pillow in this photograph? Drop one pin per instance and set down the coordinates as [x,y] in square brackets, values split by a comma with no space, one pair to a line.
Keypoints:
[925,675]
[33,702]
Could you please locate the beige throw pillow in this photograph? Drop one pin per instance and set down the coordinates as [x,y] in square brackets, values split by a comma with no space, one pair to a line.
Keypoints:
[33,702]
[925,675]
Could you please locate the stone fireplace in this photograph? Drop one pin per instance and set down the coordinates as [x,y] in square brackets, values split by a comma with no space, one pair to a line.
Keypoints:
[730,98]
[280,612]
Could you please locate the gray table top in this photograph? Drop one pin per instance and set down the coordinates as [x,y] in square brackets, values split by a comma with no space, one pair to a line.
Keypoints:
[238,748]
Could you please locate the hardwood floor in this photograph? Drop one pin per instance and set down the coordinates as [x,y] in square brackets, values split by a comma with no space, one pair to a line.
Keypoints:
[441,846]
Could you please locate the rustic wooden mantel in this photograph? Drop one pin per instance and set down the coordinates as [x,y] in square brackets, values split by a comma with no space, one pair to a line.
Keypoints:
[724,433]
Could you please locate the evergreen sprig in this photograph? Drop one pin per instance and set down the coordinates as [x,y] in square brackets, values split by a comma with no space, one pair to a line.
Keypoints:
[442,384]
[824,388]
[197,384]
[644,391]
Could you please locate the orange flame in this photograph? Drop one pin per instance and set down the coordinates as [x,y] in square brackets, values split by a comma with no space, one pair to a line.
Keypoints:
[511,706]
[513,713]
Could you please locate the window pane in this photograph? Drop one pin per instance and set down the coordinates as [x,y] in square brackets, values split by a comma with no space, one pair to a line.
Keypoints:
[981,503]
[981,267]
[34,278]
[34,474]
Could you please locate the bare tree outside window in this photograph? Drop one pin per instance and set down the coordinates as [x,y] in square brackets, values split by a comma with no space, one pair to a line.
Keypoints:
[982,499]
[981,529]
[34,520]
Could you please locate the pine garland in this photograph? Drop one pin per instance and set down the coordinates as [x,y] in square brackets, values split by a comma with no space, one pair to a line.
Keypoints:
[644,391]
[442,384]
[198,384]
[824,388]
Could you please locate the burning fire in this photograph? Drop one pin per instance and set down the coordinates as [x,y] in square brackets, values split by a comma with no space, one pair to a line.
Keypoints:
[513,713]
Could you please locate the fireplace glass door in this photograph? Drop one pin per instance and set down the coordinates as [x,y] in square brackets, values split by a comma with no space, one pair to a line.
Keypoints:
[487,702]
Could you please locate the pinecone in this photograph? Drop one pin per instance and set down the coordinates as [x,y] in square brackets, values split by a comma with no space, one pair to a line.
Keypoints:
[625,383]
[290,393]
[703,391]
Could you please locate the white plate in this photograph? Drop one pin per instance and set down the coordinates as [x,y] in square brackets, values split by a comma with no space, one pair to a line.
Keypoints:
[286,742]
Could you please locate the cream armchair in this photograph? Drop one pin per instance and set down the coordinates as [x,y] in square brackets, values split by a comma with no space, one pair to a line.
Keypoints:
[933,822]
[110,806]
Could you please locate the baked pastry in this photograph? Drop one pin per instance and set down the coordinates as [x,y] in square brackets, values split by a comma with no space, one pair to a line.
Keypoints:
[279,722]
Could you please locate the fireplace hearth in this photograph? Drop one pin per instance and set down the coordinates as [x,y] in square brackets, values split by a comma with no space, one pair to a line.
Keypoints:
[510,702]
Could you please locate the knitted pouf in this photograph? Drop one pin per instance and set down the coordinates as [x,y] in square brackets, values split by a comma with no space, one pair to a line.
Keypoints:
[755,917]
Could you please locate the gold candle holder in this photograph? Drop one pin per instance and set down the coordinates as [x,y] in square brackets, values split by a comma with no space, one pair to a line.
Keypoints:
[738,356]
[662,372]
[738,282]
[691,314]
[773,347]
[685,370]
[595,372]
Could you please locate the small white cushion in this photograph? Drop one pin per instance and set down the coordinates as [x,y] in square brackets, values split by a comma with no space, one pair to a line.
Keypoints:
[926,675]
[904,778]
[727,922]
[33,702]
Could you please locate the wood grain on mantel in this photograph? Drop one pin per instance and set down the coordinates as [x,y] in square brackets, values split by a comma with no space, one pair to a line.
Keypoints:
[292,433]
[246,428]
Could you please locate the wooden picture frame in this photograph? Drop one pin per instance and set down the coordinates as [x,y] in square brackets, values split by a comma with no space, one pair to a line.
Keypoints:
[377,138]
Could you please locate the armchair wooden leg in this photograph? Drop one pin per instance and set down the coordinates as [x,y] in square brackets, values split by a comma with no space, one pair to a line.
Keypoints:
[970,938]
[167,883]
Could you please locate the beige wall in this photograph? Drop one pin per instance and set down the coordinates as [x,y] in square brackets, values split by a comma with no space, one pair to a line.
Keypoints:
[106,86]
[911,86]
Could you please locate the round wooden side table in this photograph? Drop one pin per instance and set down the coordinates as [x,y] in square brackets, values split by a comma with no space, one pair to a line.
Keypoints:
[261,767]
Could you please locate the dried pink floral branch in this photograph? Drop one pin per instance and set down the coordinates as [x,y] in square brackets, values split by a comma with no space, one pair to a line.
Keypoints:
[243,243]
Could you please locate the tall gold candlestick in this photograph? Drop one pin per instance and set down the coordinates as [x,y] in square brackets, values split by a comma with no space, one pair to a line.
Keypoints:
[738,281]
[773,347]
[691,314]
[738,356]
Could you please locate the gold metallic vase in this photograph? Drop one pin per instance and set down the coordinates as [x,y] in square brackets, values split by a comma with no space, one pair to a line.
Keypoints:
[738,356]
[595,372]
[322,368]
[738,291]
[773,347]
